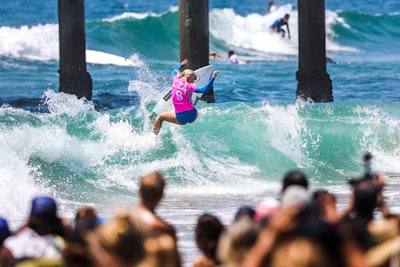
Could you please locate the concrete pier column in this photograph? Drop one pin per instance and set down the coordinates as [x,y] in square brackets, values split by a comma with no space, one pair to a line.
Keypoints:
[313,80]
[194,36]
[74,78]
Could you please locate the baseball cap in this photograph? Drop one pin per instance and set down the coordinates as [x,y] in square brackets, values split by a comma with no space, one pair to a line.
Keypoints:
[44,207]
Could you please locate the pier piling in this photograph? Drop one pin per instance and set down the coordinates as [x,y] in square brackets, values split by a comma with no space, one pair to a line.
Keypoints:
[313,80]
[194,36]
[74,78]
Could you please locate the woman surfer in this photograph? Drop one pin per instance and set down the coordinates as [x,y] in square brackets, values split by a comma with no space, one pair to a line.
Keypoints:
[182,88]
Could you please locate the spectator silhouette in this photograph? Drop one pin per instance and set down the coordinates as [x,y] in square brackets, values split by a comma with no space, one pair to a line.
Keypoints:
[41,237]
[151,191]
[207,232]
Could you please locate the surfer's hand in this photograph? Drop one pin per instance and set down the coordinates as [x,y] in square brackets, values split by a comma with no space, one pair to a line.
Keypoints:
[184,62]
[215,74]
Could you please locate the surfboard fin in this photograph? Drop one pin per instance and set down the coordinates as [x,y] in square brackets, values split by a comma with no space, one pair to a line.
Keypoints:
[196,100]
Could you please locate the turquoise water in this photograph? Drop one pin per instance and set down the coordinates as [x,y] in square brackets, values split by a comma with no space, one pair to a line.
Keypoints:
[238,149]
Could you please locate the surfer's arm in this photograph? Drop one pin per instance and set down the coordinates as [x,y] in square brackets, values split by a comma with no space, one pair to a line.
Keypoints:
[208,86]
[205,88]
[179,67]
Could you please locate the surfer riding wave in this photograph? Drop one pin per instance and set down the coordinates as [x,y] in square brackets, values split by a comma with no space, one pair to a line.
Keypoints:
[182,87]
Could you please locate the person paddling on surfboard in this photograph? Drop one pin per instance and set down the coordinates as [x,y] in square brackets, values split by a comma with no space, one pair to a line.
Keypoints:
[182,87]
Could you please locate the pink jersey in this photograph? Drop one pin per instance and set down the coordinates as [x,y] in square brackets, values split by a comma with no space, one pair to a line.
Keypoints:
[181,93]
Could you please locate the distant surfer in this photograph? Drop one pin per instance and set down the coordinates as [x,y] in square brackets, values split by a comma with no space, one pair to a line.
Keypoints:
[214,55]
[278,24]
[271,6]
[182,87]
[235,59]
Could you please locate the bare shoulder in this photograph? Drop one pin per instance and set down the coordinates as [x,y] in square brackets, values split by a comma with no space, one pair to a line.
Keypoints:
[142,214]
[163,226]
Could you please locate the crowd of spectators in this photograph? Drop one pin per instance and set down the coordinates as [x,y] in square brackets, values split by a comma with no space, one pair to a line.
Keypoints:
[299,228]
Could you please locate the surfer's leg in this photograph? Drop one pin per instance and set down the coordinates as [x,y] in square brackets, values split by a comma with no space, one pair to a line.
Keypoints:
[165,116]
[283,33]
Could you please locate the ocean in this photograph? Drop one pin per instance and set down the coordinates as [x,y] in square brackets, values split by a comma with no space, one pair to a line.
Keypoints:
[94,152]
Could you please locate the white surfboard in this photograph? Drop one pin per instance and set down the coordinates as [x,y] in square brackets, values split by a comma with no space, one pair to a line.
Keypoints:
[99,57]
[203,75]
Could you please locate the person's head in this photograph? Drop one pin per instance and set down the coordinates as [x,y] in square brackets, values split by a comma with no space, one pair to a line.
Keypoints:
[85,219]
[230,53]
[152,189]
[244,211]
[266,208]
[44,207]
[207,232]
[43,217]
[117,242]
[286,17]
[294,177]
[236,241]
[294,195]
[325,203]
[365,195]
[188,75]
[322,196]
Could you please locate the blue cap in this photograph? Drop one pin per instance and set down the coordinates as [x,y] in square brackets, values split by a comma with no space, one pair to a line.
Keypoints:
[4,230]
[44,207]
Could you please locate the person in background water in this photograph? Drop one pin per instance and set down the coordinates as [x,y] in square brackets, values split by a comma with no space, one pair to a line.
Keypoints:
[214,55]
[235,59]
[271,6]
[182,87]
[277,26]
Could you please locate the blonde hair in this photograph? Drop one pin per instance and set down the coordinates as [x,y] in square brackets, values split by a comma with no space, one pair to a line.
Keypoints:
[185,73]
[120,239]
[300,252]
[236,241]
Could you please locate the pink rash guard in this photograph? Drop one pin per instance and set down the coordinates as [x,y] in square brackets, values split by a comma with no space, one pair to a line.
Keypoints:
[181,94]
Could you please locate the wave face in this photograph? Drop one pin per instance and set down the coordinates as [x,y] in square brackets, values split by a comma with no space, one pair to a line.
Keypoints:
[80,154]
